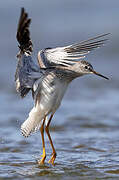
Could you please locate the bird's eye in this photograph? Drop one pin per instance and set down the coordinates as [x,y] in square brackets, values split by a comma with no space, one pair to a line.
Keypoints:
[86,67]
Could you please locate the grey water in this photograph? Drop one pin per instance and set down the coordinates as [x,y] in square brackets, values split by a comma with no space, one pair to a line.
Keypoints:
[85,129]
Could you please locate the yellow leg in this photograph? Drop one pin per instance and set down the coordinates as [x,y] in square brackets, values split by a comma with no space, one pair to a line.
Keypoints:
[53,149]
[43,143]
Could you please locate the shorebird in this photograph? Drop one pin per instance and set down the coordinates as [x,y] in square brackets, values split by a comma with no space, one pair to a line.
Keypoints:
[49,79]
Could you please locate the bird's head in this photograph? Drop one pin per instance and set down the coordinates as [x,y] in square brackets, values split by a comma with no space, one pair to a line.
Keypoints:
[84,67]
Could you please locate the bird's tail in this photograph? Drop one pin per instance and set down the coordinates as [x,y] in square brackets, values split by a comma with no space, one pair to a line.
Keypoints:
[32,123]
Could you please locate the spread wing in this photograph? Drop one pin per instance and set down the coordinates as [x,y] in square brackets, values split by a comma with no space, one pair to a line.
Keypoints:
[68,55]
[27,72]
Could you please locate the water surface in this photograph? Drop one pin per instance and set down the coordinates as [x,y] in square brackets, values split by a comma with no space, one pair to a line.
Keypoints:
[85,129]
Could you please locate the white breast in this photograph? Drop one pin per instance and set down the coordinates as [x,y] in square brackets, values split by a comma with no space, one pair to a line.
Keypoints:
[52,92]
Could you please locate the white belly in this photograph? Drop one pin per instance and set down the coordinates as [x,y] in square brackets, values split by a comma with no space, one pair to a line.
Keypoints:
[49,97]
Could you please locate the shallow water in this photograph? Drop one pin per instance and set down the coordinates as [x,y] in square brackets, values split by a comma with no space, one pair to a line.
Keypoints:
[85,129]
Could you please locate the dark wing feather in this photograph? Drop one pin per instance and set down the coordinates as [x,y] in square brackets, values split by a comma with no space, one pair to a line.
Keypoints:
[87,45]
[26,70]
[23,33]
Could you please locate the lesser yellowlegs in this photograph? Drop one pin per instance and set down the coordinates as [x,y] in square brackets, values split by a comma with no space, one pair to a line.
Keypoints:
[48,80]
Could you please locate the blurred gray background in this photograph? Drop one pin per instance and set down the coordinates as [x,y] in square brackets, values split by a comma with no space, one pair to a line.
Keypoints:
[89,114]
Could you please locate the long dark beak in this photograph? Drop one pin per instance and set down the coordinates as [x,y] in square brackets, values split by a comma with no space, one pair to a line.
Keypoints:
[98,74]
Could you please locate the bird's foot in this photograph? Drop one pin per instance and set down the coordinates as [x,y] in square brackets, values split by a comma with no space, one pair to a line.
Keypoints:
[42,160]
[51,161]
